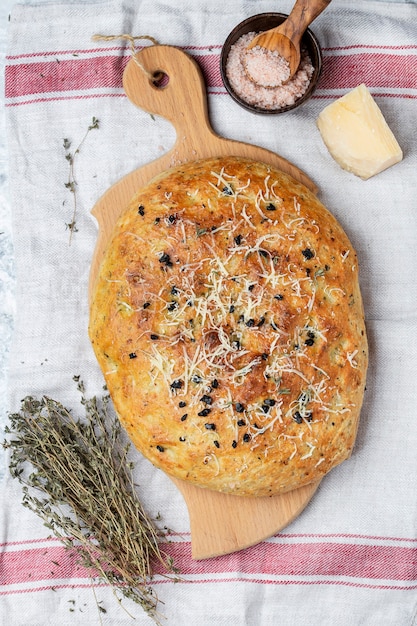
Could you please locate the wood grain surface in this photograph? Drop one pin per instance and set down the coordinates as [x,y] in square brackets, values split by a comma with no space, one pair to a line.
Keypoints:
[220,523]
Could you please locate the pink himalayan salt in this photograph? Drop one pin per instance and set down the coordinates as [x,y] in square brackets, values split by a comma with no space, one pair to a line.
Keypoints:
[266,68]
[268,98]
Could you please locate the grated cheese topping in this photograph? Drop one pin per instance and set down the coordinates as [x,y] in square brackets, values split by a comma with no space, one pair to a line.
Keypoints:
[240,329]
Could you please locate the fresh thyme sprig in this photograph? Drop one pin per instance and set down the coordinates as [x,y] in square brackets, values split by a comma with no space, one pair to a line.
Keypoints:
[71,184]
[87,497]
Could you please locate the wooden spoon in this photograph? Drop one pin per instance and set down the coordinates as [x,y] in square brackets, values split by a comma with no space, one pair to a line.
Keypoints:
[285,38]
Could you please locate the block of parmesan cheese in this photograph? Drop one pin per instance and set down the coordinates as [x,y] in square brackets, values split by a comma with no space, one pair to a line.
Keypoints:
[357,135]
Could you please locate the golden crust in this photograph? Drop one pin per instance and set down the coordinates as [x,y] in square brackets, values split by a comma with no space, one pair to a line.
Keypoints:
[228,322]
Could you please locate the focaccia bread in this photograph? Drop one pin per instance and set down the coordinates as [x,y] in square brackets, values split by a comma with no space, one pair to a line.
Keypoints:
[228,322]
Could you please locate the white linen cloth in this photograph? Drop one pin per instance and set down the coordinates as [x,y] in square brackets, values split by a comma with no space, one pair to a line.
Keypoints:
[350,558]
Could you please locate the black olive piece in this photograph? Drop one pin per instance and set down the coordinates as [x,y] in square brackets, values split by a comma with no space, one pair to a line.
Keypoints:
[210,426]
[270,402]
[250,323]
[154,337]
[232,308]
[196,378]
[279,296]
[216,443]
[204,413]
[146,305]
[241,423]
[215,383]
[182,404]
[309,341]
[239,407]
[227,191]
[246,437]
[141,210]
[261,322]
[174,291]
[238,240]
[182,438]
[165,259]
[132,355]
[307,253]
[172,306]
[184,417]
[271,207]
[177,384]
[206,399]
[297,417]
[234,443]
[160,448]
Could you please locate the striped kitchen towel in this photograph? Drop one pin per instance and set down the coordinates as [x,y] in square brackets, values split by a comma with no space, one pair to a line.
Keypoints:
[350,558]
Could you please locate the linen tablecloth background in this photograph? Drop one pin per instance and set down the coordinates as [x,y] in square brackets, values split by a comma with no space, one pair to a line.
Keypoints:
[351,557]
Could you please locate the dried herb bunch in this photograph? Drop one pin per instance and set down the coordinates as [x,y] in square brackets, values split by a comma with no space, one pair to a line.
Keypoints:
[84,463]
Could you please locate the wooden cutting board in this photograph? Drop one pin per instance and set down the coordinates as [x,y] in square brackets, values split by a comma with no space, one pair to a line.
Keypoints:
[220,523]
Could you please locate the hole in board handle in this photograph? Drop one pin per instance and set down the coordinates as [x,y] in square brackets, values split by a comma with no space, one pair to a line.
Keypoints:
[160,80]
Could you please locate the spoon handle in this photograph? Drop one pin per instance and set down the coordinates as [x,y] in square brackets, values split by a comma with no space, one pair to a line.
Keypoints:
[301,16]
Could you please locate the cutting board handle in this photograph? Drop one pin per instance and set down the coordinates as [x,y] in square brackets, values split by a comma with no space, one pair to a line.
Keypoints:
[180,97]
[182,100]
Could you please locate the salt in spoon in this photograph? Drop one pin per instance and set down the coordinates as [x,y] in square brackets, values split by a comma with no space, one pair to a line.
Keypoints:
[284,40]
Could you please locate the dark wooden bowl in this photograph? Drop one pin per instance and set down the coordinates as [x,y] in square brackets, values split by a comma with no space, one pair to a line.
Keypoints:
[260,23]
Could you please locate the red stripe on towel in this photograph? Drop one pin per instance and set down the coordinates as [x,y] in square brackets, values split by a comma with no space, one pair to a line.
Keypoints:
[265,563]
[82,77]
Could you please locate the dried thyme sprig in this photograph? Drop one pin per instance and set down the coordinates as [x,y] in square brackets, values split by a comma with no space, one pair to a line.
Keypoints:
[71,184]
[88,498]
